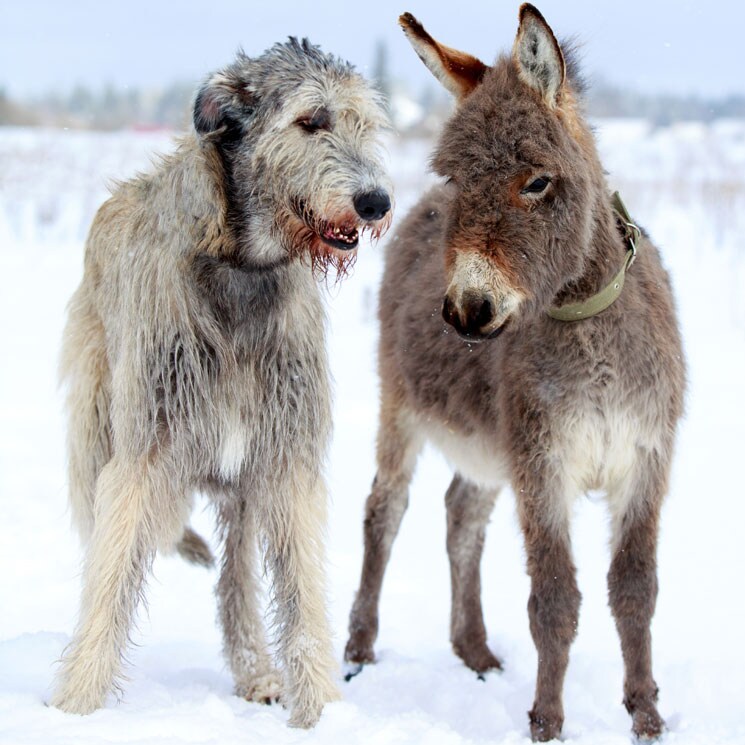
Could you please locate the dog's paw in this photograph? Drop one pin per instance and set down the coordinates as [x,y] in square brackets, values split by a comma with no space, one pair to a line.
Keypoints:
[306,711]
[75,703]
[262,689]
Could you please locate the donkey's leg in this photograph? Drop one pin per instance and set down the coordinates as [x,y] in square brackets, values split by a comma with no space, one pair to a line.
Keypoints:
[293,521]
[130,524]
[468,510]
[632,589]
[398,447]
[553,606]
[244,641]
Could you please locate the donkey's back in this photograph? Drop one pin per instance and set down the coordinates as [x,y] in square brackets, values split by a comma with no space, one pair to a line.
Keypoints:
[480,354]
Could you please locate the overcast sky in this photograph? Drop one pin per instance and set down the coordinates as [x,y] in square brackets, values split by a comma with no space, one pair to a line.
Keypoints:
[650,45]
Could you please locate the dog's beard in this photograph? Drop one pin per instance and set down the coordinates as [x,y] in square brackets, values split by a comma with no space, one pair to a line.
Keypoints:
[324,260]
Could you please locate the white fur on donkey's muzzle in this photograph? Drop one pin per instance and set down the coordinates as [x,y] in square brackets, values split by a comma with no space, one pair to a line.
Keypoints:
[480,298]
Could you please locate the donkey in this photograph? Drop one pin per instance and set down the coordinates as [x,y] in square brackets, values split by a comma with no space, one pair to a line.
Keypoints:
[195,359]
[521,239]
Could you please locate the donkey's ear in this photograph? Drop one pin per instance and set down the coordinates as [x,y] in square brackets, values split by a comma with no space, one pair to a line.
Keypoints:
[459,72]
[538,56]
[224,101]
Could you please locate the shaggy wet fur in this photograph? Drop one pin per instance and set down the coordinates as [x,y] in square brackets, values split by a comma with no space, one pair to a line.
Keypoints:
[523,222]
[194,356]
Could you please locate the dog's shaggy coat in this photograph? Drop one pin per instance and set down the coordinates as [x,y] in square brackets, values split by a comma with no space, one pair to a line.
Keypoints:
[195,359]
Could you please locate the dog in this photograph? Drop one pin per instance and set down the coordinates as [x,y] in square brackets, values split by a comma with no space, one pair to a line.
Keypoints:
[194,355]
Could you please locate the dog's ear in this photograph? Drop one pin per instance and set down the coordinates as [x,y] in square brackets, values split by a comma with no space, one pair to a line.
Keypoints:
[459,72]
[538,57]
[224,102]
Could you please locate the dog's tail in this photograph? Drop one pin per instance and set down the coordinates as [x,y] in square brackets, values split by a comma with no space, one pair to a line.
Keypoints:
[194,549]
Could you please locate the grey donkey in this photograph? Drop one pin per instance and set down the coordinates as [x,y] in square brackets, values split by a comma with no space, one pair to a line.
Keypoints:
[521,236]
[195,359]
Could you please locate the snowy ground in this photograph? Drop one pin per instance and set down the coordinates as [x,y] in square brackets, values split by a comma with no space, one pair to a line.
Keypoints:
[687,186]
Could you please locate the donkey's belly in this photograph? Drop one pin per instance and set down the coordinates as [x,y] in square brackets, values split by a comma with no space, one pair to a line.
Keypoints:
[470,455]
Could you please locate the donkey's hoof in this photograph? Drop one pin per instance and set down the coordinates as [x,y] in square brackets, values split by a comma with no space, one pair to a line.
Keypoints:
[648,725]
[544,727]
[358,653]
[352,670]
[479,658]
[359,649]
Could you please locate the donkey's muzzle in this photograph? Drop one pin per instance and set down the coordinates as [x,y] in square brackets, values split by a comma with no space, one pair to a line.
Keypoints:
[475,315]
[372,205]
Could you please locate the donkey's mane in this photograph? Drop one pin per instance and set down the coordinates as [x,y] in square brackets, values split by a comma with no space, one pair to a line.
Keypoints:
[571,48]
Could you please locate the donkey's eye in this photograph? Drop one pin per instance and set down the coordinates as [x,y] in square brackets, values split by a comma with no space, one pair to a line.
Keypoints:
[537,185]
[320,120]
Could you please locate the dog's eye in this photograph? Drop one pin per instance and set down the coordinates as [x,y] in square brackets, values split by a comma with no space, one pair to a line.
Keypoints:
[319,120]
[537,185]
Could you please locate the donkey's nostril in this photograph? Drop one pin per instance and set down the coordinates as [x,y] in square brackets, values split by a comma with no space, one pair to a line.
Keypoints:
[484,315]
[372,205]
[448,311]
[475,314]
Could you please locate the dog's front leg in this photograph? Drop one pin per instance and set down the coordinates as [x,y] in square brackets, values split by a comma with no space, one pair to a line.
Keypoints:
[125,535]
[237,591]
[294,528]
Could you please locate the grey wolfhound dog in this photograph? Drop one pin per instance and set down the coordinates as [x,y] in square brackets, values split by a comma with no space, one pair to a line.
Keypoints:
[195,358]
[521,238]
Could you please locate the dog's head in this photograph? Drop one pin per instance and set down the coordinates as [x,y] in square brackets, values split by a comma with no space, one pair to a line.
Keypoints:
[298,135]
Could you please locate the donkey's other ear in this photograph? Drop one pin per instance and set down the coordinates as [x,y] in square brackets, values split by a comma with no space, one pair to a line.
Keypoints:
[223,102]
[459,72]
[538,56]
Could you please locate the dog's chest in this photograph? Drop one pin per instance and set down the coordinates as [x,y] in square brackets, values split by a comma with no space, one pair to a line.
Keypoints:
[233,445]
[271,408]
[270,391]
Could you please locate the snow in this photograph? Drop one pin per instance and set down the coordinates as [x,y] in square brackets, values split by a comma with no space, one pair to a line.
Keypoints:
[685,184]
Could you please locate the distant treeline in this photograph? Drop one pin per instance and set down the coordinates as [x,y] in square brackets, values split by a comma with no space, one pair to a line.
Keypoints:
[112,108]
[608,101]
[105,109]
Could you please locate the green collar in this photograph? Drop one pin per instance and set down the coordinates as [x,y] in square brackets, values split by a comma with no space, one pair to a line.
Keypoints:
[611,292]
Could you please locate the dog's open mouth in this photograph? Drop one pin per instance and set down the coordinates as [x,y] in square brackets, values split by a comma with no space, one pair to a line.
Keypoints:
[342,235]
[345,236]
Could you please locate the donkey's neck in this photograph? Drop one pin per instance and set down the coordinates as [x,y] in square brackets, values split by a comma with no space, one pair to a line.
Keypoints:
[604,256]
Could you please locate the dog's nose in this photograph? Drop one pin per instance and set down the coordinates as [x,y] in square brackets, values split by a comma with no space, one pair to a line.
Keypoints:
[372,205]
